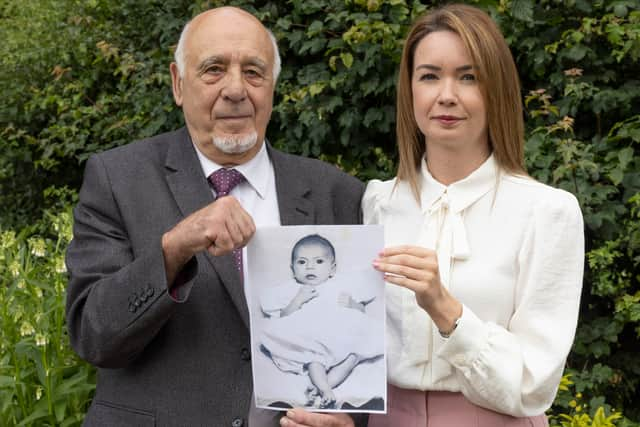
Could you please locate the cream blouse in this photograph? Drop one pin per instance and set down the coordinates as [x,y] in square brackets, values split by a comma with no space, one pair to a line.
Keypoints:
[511,250]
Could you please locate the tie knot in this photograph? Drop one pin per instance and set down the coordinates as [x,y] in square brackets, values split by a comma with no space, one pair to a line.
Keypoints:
[224,180]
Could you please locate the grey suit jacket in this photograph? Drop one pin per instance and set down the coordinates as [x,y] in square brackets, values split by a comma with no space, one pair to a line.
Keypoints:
[161,362]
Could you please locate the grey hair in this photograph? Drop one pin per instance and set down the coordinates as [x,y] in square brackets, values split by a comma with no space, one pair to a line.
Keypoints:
[179,54]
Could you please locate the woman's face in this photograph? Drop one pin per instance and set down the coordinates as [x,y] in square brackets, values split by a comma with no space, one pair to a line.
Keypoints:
[448,105]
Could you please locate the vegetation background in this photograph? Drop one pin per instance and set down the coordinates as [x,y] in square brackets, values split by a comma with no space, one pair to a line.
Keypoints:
[80,76]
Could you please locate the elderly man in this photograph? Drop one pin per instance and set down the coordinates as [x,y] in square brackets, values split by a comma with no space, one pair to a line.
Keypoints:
[155,297]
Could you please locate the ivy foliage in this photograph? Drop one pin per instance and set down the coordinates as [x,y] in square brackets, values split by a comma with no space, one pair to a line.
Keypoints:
[80,76]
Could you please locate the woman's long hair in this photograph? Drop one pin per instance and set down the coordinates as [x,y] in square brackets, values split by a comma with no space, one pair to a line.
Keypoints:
[499,84]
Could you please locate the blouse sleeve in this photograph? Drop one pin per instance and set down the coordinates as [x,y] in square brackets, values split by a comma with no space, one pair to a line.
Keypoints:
[516,370]
[373,194]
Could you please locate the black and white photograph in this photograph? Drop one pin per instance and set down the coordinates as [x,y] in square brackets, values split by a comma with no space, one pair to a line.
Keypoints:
[317,318]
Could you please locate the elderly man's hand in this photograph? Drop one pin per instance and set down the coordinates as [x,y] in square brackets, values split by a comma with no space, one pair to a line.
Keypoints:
[300,418]
[218,228]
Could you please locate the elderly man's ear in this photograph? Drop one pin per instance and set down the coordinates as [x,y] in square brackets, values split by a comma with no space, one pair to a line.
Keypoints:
[176,84]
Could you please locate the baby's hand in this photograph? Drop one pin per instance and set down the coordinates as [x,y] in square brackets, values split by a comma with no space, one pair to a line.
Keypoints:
[305,294]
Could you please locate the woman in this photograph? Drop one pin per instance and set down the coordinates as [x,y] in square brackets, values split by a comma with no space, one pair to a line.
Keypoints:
[487,262]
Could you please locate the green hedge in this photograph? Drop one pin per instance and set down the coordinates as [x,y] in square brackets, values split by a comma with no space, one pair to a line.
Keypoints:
[81,76]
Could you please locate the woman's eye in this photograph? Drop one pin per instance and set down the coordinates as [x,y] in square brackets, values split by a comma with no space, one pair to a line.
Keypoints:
[468,77]
[428,76]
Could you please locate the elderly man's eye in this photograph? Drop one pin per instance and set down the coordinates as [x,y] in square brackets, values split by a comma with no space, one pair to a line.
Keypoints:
[253,73]
[214,69]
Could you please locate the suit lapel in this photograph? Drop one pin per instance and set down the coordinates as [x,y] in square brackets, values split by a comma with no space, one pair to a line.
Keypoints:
[191,192]
[293,190]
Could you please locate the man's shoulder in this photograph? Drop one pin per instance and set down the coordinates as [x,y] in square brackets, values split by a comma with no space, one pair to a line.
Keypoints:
[145,148]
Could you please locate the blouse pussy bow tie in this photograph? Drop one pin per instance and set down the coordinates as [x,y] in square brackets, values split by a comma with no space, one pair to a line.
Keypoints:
[444,231]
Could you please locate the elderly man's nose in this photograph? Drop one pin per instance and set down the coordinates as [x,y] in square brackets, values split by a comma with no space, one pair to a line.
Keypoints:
[234,89]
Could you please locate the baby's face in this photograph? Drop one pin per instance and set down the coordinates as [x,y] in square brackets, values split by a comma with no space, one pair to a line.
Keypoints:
[313,264]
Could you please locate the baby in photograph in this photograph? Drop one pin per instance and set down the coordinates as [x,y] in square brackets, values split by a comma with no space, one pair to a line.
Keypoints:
[318,325]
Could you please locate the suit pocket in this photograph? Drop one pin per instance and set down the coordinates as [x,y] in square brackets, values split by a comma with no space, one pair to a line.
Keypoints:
[108,414]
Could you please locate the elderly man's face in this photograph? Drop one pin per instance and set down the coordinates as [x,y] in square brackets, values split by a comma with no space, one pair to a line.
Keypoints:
[226,91]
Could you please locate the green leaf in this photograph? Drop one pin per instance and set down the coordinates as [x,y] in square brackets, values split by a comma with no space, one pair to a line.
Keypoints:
[522,10]
[35,415]
[347,59]
[316,88]
[616,175]
[314,28]
[625,156]
[6,381]
[620,10]
[577,52]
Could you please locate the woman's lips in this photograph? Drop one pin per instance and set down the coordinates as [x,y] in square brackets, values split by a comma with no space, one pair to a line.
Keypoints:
[448,120]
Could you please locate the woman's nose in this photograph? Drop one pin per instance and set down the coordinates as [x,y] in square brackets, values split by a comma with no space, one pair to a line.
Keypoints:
[448,93]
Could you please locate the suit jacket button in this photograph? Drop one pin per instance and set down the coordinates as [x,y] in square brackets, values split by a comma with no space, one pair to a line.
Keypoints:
[245,354]
[237,422]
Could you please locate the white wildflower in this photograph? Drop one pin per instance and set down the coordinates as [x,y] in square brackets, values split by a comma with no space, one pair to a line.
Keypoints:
[14,268]
[38,392]
[41,340]
[60,266]
[7,239]
[26,329]
[37,246]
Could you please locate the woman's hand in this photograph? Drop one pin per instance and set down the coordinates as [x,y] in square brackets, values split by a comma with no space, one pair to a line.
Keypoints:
[416,268]
[300,418]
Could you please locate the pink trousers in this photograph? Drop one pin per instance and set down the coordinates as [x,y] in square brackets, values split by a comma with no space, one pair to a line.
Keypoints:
[413,408]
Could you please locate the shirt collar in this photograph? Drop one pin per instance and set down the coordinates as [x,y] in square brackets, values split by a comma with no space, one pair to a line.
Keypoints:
[255,171]
[461,194]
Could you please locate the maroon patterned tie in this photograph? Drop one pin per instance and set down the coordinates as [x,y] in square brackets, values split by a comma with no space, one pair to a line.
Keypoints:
[223,181]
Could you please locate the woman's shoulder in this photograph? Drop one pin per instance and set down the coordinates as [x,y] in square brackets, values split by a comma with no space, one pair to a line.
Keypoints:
[540,197]
[378,196]
[377,188]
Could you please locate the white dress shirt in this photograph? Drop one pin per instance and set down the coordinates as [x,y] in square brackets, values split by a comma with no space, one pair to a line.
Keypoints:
[257,194]
[511,250]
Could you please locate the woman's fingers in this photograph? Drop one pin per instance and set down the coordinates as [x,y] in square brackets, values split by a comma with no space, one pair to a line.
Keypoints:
[411,267]
[413,285]
[417,251]
[410,261]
